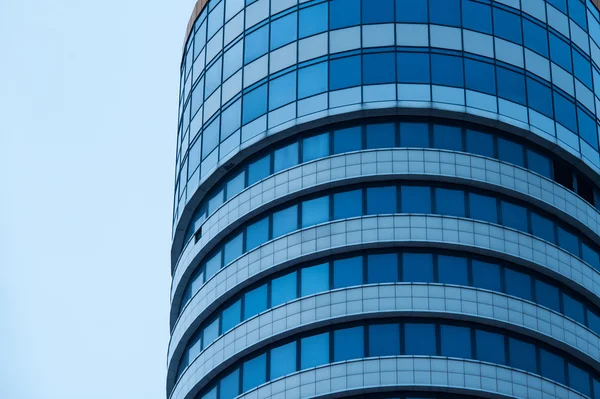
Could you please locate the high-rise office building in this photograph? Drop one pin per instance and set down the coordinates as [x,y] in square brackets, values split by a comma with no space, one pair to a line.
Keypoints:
[387,198]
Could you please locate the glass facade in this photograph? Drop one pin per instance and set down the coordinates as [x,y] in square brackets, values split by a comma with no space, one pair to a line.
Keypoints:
[284,184]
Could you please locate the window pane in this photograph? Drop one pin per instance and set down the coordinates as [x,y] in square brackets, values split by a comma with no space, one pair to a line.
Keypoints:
[348,272]
[283,360]
[348,343]
[347,140]
[382,268]
[444,12]
[312,80]
[315,211]
[235,185]
[379,68]
[579,380]
[480,143]
[539,97]
[315,147]
[552,366]
[381,200]
[230,385]
[411,10]
[412,67]
[593,321]
[560,52]
[344,13]
[456,341]
[452,270]
[480,76]
[490,347]
[507,25]
[414,135]
[539,164]
[284,30]
[450,202]
[256,44]
[417,268]
[313,20]
[255,372]
[486,275]
[419,339]
[547,295]
[381,136]
[568,241]
[257,234]
[514,216]
[347,204]
[447,69]
[518,284]
[447,137]
[511,85]
[522,355]
[233,249]
[254,104]
[477,16]
[213,265]
[415,199]
[231,317]
[285,157]
[377,11]
[482,207]
[510,152]
[255,301]
[314,279]
[282,90]
[590,256]
[314,351]
[384,340]
[573,309]
[542,227]
[258,170]
[210,333]
[345,72]
[283,289]
[536,37]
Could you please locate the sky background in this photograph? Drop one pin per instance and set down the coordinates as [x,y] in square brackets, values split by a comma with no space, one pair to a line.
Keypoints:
[88,109]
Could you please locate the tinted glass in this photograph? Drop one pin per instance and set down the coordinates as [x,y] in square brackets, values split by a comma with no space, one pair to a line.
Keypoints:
[344,13]
[419,339]
[417,268]
[381,200]
[230,386]
[348,343]
[536,37]
[579,379]
[283,360]
[447,137]
[315,211]
[381,135]
[377,11]
[518,284]
[511,85]
[412,67]
[411,10]
[314,279]
[480,143]
[450,202]
[285,157]
[379,68]
[285,221]
[547,295]
[486,275]
[447,69]
[231,316]
[522,355]
[315,147]
[455,341]
[347,140]
[490,347]
[573,309]
[233,249]
[314,350]
[347,205]
[347,272]
[284,30]
[514,216]
[414,135]
[257,234]
[258,170]
[542,227]
[510,152]
[506,25]
[283,289]
[477,16]
[552,366]
[213,265]
[384,340]
[444,12]
[568,241]
[382,268]
[313,20]
[452,270]
[415,199]
[482,207]
[254,372]
[255,301]
[539,164]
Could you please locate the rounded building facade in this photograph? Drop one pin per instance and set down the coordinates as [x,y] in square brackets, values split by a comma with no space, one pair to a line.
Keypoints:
[387,199]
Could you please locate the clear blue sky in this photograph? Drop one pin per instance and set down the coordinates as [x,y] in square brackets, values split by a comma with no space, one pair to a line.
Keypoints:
[88,107]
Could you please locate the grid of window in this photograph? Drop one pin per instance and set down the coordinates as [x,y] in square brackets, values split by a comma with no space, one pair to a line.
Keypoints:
[388,134]
[403,337]
[390,199]
[563,89]
[375,267]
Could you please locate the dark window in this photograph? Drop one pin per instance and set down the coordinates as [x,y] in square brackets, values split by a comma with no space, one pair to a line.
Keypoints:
[480,143]
[507,25]
[587,127]
[417,268]
[345,72]
[344,13]
[257,234]
[578,13]
[444,12]
[560,52]
[542,227]
[416,199]
[384,340]
[254,104]
[510,152]
[283,360]
[314,351]
[490,347]
[315,147]
[348,343]
[547,295]
[590,256]
[255,301]
[381,200]
[381,135]
[377,11]
[254,372]
[230,385]
[379,68]
[446,69]
[582,68]
[518,284]
[482,207]
[412,67]
[347,140]
[285,157]
[315,211]
[452,270]
[447,137]
[314,279]
[486,275]
[419,339]
[536,37]
[258,170]
[382,268]
[455,341]
[593,321]
[565,112]
[579,379]
[552,366]
[414,135]
[573,309]
[480,76]
[522,355]
[284,289]
[560,4]
[347,204]
[450,202]
[514,216]
[285,221]
[411,10]
[511,85]
[539,97]
[568,241]
[348,272]
[313,20]
[477,16]
[539,164]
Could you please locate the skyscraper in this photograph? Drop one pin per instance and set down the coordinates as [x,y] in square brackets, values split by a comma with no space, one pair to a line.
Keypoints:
[387,198]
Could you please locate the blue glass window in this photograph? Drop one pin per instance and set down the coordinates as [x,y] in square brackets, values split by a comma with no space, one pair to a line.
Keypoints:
[447,137]
[233,249]
[490,347]
[518,284]
[593,321]
[419,339]
[230,385]
[348,272]
[213,265]
[347,204]
[539,97]
[565,112]
[417,268]
[511,85]
[552,366]
[573,309]
[542,227]
[477,16]
[522,355]
[254,372]
[255,301]
[450,202]
[344,13]
[547,295]
[480,143]
[590,256]
[579,379]
[314,351]
[348,343]
[285,157]
[315,147]
[232,316]
[578,13]
[215,19]
[255,104]
[345,72]
[216,201]
[283,289]
[314,279]
[347,140]
[411,10]
[444,12]
[282,90]
[415,199]
[235,185]
[258,170]
[213,77]
[486,275]
[511,152]
[560,52]
[507,25]
[256,44]
[382,135]
[379,68]
[539,163]
[587,128]
[414,135]
[313,20]
[210,138]
[536,37]
[212,394]
[384,340]
[480,76]
[283,360]
[377,11]
[560,4]
[568,241]
[312,80]
[514,216]
[455,341]
[285,221]
[231,119]
[412,67]
[284,30]
[452,270]
[315,211]
[382,268]
[210,333]
[446,69]
[582,69]
[381,200]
